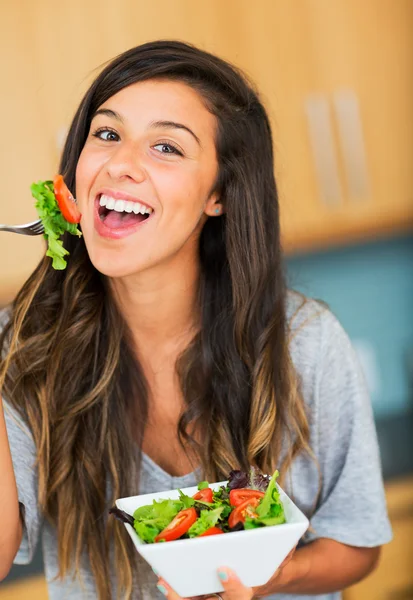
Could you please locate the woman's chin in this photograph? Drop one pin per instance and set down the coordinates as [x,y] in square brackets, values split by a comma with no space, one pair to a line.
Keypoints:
[113,265]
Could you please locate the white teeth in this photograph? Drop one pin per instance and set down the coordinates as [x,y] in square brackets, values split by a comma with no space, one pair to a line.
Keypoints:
[119,205]
[124,205]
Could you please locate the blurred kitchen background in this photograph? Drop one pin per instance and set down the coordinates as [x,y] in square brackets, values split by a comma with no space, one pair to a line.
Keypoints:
[336,77]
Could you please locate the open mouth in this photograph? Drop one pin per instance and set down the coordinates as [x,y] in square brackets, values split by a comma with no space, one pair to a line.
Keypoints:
[117,214]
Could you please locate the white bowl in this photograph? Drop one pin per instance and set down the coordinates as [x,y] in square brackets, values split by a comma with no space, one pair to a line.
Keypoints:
[190,566]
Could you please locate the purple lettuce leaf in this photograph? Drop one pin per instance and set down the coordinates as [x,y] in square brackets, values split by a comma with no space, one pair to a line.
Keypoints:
[258,481]
[121,515]
[238,479]
[255,480]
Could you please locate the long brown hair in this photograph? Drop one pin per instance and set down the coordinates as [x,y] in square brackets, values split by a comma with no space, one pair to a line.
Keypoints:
[70,369]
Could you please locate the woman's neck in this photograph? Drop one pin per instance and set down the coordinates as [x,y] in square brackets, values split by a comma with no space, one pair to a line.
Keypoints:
[160,306]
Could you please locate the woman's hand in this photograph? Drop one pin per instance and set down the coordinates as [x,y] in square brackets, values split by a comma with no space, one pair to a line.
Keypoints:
[233,587]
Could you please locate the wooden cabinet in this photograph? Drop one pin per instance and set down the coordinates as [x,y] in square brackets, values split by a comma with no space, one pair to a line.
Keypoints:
[393,579]
[336,78]
[344,120]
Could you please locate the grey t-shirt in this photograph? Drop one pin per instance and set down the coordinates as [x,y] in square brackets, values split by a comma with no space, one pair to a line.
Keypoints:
[351,507]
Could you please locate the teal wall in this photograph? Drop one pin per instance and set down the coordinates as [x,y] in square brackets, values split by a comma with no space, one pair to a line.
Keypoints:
[370,290]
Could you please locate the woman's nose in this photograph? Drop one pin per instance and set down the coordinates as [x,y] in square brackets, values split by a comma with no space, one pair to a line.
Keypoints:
[125,163]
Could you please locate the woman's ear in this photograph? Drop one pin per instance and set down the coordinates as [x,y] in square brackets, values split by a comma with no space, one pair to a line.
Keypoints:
[213,207]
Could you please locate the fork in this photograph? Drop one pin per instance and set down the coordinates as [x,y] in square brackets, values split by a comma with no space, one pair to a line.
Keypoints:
[34,228]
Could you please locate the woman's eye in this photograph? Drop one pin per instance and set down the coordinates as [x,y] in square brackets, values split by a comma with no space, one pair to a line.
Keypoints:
[107,135]
[168,148]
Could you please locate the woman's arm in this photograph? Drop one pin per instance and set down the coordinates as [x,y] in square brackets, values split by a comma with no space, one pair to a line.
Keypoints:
[10,522]
[321,567]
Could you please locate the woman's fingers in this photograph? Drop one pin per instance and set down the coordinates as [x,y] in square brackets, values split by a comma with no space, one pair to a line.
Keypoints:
[233,588]
[288,557]
[167,591]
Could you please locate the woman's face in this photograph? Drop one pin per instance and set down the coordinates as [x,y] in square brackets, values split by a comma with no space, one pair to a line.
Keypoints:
[144,177]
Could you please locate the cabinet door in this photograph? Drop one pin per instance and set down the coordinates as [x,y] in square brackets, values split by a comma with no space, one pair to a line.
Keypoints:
[345,120]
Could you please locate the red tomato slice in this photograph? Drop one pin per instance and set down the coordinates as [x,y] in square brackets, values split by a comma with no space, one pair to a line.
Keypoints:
[238,496]
[211,531]
[65,200]
[246,509]
[205,495]
[178,526]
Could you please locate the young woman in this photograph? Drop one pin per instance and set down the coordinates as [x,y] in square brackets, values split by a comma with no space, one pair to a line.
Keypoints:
[170,350]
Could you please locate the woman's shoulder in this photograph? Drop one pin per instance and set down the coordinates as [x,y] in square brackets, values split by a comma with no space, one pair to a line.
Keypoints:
[306,317]
[316,337]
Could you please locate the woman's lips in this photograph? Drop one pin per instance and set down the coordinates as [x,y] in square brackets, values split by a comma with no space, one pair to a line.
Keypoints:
[115,232]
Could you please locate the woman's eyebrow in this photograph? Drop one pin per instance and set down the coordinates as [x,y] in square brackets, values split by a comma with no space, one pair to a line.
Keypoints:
[107,112]
[174,125]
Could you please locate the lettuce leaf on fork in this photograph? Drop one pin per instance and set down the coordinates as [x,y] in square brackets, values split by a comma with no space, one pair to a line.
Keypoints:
[55,225]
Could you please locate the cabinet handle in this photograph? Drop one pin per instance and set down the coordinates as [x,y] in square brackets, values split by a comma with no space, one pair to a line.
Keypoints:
[317,110]
[351,141]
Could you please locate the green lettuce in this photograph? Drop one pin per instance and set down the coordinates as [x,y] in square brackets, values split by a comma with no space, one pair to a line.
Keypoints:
[55,225]
[189,502]
[270,510]
[153,518]
[206,520]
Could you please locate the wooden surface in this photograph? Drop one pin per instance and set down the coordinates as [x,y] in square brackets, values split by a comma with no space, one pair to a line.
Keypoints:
[32,588]
[393,580]
[50,52]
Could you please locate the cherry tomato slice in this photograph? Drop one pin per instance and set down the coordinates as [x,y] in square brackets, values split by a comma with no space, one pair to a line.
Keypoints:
[65,200]
[211,531]
[205,495]
[178,526]
[246,509]
[238,496]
